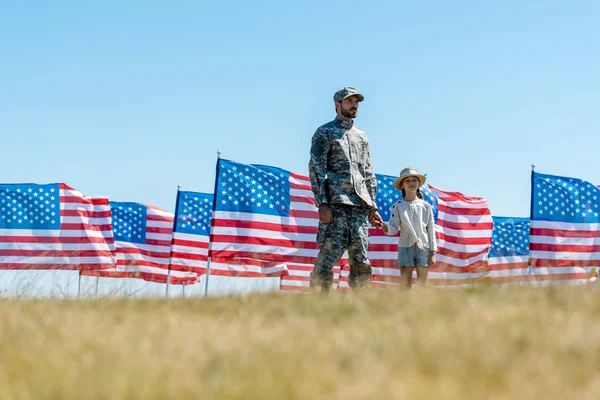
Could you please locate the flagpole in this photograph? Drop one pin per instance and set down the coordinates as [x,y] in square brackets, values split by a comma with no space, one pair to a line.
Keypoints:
[174,224]
[529,268]
[211,225]
[79,278]
[183,290]
[96,292]
[207,274]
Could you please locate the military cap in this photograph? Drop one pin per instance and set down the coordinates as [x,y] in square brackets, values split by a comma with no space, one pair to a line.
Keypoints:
[346,92]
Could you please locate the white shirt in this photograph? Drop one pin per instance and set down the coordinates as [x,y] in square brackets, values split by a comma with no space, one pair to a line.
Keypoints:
[420,215]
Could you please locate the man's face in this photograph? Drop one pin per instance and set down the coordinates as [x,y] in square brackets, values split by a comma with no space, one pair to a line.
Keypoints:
[349,107]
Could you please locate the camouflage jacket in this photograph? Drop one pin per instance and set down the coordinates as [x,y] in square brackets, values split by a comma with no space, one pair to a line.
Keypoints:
[340,167]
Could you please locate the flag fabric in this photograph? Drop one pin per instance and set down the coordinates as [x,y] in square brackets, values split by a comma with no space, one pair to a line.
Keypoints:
[54,226]
[143,236]
[565,229]
[150,274]
[263,221]
[509,255]
[463,230]
[189,248]
[265,224]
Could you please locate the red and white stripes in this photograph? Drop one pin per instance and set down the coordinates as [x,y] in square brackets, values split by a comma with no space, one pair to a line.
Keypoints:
[563,252]
[83,242]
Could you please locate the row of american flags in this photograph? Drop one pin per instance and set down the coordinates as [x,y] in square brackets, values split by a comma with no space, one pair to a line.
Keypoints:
[261,221]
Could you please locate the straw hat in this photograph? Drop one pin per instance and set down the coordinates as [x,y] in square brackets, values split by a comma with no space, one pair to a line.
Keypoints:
[407,172]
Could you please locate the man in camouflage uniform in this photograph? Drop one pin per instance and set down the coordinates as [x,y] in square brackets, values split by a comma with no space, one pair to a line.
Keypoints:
[345,187]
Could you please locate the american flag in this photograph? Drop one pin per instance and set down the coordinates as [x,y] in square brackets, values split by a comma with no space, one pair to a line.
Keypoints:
[264,223]
[258,221]
[463,230]
[54,226]
[464,233]
[143,236]
[509,255]
[189,248]
[565,229]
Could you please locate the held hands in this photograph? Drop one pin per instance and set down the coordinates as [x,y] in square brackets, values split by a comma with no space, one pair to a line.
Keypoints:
[375,219]
[326,217]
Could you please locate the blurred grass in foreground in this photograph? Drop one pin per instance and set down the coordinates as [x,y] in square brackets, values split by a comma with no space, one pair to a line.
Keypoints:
[485,343]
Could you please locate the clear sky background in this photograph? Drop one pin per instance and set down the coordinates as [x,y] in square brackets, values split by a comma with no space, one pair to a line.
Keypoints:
[131,98]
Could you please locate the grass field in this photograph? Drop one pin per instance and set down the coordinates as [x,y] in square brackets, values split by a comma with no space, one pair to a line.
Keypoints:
[519,343]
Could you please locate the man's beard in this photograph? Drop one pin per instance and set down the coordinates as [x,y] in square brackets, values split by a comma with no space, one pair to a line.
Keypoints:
[350,113]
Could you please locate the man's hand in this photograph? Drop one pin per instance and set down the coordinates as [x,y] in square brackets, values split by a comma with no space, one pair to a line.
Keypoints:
[431,261]
[375,219]
[325,214]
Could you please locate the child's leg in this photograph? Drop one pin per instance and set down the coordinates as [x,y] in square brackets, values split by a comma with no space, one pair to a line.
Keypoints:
[406,261]
[422,259]
[422,273]
[406,277]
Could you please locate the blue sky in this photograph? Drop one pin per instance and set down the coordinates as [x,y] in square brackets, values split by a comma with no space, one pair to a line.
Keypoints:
[130,99]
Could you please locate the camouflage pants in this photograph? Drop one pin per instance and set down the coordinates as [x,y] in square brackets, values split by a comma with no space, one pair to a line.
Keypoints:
[347,231]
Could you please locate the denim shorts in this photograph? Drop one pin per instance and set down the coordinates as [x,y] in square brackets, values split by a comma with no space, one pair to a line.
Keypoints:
[412,256]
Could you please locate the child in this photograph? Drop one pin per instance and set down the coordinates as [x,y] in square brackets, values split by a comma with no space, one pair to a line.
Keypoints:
[414,218]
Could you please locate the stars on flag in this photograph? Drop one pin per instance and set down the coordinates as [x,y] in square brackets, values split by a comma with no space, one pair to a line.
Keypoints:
[24,206]
[253,189]
[387,195]
[129,221]
[565,199]
[510,236]
[194,213]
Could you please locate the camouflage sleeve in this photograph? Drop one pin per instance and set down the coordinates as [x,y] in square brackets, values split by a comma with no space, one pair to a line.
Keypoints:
[317,166]
[371,179]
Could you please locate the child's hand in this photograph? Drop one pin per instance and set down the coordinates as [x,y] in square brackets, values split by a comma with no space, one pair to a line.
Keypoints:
[431,261]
